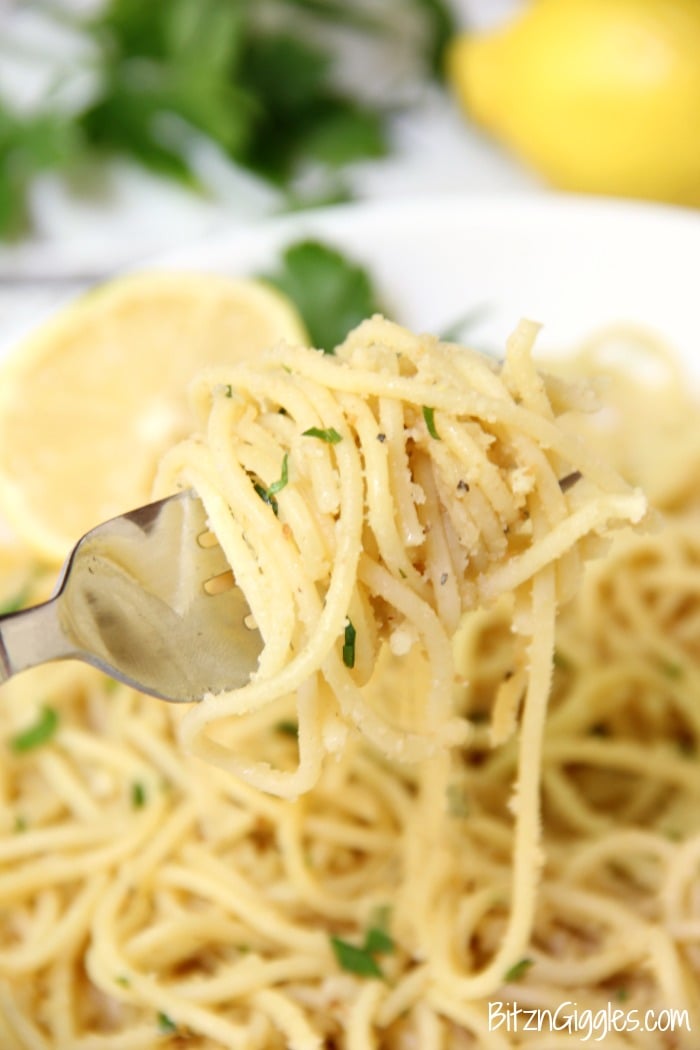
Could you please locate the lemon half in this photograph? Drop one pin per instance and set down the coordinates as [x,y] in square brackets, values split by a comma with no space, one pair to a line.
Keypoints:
[91,401]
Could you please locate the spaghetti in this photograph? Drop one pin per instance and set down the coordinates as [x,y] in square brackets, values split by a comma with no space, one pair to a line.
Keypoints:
[392,513]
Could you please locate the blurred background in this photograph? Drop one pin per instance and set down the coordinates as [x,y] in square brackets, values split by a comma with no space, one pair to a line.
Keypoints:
[129,126]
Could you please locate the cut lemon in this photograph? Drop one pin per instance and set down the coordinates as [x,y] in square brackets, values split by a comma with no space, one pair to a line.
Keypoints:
[92,400]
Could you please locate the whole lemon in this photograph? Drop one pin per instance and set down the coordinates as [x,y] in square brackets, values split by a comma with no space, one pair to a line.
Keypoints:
[599,96]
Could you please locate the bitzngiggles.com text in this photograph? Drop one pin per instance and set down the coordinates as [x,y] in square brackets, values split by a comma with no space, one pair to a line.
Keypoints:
[589,1025]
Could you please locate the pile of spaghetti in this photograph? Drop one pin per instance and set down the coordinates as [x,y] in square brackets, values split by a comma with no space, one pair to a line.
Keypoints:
[465,771]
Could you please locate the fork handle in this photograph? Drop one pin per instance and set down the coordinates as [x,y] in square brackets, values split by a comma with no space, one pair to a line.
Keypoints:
[30,637]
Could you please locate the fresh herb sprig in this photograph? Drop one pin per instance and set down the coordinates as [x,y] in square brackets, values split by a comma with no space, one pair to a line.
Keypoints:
[361,959]
[268,495]
[254,77]
[332,292]
[518,970]
[40,732]
[330,435]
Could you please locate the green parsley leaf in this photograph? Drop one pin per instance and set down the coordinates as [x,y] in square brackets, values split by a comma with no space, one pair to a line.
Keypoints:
[138,795]
[166,73]
[349,644]
[518,970]
[429,417]
[304,116]
[378,941]
[332,293]
[347,134]
[283,480]
[266,497]
[21,823]
[37,734]
[330,436]
[286,70]
[166,1024]
[355,960]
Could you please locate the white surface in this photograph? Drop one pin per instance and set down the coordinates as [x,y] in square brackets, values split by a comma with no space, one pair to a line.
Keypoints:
[569,262]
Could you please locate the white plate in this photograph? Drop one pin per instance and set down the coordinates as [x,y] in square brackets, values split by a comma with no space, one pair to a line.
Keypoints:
[572,263]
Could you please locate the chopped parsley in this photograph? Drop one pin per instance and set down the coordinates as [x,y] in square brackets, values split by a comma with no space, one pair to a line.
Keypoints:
[360,959]
[267,495]
[166,1024]
[37,734]
[354,959]
[21,823]
[518,970]
[429,417]
[283,479]
[330,435]
[378,941]
[349,644]
[138,795]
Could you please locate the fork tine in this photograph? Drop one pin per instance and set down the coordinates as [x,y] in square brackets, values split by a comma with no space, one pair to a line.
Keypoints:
[133,599]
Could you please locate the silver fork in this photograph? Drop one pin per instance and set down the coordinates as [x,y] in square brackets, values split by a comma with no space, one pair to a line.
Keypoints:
[147,597]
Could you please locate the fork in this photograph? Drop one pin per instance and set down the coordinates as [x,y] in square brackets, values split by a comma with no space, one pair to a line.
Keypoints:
[149,598]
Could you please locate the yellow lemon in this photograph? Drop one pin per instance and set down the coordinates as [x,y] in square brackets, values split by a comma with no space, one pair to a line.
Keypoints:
[91,401]
[598,96]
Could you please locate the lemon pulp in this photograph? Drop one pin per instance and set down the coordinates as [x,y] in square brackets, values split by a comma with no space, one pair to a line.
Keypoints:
[91,401]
